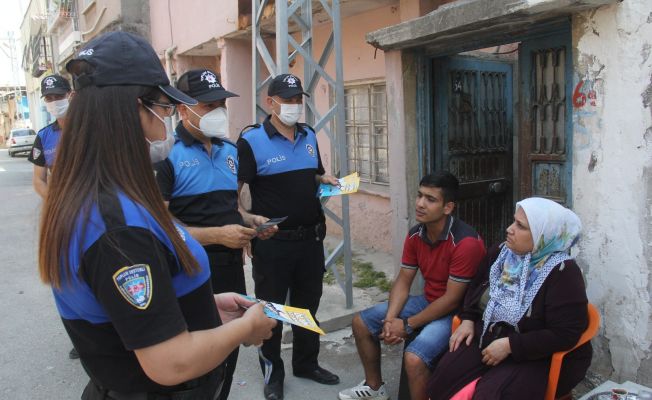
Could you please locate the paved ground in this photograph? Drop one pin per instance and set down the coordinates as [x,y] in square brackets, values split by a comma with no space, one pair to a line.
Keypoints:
[34,360]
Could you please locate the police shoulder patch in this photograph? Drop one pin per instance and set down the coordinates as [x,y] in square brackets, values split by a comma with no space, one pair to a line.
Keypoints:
[135,284]
[311,150]
[35,153]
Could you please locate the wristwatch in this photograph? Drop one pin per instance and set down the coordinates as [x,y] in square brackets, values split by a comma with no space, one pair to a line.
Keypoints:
[406,326]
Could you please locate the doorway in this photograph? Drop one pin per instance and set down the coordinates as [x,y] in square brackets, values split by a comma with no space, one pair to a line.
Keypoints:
[502,125]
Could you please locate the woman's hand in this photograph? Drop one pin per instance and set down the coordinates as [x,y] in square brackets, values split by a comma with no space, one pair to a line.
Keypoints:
[496,352]
[463,332]
[261,325]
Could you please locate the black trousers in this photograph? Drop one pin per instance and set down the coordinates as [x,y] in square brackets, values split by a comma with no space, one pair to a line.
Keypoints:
[227,275]
[298,267]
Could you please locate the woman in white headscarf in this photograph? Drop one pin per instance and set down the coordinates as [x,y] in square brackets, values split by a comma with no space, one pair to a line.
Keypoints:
[527,302]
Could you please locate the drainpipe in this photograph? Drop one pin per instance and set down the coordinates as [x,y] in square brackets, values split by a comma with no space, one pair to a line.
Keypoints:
[169,53]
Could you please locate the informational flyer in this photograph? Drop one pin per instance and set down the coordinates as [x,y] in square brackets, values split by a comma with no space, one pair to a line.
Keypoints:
[291,315]
[347,185]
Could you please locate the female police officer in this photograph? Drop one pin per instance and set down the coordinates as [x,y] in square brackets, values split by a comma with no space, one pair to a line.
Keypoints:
[132,288]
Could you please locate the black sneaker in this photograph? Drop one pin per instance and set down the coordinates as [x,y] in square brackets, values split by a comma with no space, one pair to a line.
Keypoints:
[73,355]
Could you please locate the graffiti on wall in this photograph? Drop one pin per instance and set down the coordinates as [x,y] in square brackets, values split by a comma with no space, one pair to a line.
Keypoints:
[585,94]
[587,102]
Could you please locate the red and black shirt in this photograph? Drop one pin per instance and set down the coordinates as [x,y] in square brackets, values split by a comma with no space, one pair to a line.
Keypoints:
[455,255]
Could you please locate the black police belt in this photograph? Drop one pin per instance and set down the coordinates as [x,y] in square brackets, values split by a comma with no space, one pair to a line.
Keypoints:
[206,387]
[308,232]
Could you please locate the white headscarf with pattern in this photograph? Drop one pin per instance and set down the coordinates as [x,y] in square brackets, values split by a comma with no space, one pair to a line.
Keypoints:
[514,280]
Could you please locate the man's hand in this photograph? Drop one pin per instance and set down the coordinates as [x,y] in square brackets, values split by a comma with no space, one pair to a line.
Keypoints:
[257,220]
[234,236]
[463,333]
[496,352]
[393,331]
[329,180]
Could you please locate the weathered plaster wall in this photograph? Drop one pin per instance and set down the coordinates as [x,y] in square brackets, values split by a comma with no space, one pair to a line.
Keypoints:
[401,96]
[235,67]
[612,158]
[188,24]
[369,218]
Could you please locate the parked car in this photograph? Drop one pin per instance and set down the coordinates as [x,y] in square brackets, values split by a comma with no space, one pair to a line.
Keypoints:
[20,141]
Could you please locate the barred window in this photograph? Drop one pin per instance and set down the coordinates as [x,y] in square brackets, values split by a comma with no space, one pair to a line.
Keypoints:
[366,131]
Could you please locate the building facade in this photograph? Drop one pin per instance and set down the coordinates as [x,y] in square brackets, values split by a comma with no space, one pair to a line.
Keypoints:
[518,98]
[54,29]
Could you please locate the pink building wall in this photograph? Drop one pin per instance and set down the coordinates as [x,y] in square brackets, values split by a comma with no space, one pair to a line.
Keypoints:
[191,25]
[370,208]
[235,67]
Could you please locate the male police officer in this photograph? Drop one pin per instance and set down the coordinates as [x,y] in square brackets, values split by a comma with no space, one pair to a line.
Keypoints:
[280,161]
[55,90]
[199,182]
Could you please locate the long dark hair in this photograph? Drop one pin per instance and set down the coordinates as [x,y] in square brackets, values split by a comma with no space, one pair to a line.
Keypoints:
[102,149]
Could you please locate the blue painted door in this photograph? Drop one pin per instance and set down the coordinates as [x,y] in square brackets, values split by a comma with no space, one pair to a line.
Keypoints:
[473,139]
[545,137]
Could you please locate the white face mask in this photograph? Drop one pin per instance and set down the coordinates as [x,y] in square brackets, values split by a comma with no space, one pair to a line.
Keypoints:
[214,123]
[160,149]
[57,108]
[290,113]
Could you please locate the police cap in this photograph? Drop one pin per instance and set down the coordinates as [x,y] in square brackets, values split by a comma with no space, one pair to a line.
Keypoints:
[122,58]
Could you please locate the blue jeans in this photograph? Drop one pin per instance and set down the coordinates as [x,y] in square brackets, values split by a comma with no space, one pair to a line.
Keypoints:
[431,341]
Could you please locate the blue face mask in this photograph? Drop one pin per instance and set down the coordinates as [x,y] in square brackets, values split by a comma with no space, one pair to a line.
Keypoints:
[160,149]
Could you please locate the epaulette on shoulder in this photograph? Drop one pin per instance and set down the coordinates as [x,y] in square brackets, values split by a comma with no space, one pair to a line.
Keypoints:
[304,125]
[228,141]
[248,128]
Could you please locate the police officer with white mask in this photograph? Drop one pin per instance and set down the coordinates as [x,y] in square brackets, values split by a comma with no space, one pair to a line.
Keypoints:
[280,161]
[199,181]
[55,91]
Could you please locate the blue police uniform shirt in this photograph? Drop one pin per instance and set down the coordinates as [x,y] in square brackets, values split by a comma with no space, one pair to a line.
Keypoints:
[281,173]
[202,189]
[45,146]
[127,290]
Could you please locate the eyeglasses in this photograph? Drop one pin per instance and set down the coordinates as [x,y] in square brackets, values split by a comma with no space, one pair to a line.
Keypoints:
[168,108]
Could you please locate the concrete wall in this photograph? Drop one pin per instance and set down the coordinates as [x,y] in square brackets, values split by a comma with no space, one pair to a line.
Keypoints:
[401,96]
[612,180]
[181,64]
[235,66]
[93,16]
[205,20]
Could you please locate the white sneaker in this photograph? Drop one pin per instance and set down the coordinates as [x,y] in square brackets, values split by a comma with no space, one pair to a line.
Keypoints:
[363,391]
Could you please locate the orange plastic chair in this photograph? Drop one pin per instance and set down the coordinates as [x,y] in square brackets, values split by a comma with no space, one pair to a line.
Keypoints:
[557,358]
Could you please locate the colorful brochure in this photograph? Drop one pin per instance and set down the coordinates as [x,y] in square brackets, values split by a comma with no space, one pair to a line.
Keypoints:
[291,315]
[347,185]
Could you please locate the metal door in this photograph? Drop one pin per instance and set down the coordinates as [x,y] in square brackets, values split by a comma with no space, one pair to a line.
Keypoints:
[473,139]
[545,140]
